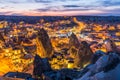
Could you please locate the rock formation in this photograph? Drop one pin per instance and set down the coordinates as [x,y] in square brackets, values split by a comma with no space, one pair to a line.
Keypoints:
[73,41]
[2,38]
[37,71]
[44,46]
[41,65]
[73,45]
[84,55]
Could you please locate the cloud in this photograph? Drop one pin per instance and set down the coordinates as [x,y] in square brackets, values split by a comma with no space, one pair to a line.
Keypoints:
[5,13]
[71,6]
[110,3]
[16,1]
[43,1]
[74,6]
[55,10]
[112,11]
[2,7]
[16,14]
[43,10]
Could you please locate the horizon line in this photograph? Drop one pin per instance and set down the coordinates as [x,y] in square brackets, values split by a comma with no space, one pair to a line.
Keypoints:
[63,15]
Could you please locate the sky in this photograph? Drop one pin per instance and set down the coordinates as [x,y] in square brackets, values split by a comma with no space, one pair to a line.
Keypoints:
[60,7]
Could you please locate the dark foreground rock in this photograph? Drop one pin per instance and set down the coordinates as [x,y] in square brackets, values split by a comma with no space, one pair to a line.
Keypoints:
[40,66]
[63,74]
[42,70]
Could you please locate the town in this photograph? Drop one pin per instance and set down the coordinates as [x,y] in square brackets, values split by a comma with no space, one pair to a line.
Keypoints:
[56,42]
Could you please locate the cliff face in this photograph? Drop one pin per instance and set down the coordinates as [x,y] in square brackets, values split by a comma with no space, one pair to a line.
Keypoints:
[44,46]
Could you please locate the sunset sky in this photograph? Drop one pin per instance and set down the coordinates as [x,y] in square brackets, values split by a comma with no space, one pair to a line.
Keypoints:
[60,7]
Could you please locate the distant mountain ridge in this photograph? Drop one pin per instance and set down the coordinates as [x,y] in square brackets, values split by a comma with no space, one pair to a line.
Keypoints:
[87,19]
